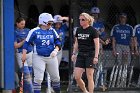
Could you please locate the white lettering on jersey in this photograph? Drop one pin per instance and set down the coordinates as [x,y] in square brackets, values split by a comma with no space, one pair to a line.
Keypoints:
[44,36]
[123,31]
[44,42]
[83,36]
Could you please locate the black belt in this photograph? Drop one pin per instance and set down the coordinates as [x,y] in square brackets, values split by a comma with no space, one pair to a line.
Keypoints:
[26,53]
[44,55]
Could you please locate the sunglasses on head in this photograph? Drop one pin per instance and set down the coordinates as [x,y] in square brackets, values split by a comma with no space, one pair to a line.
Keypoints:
[82,19]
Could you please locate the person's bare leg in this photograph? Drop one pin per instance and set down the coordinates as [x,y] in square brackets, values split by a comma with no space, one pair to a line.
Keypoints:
[78,74]
[90,72]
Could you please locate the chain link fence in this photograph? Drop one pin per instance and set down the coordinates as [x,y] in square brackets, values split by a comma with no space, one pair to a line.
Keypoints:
[111,75]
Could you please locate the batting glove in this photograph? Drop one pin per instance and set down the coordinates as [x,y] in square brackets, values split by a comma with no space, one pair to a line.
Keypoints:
[54,53]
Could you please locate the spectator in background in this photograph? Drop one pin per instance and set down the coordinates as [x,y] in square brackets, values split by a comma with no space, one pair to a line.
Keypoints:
[121,39]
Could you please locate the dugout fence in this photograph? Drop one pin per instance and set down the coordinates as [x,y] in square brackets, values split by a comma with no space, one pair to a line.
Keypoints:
[115,77]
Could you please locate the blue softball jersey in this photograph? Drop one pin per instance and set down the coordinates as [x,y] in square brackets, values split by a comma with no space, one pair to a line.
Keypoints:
[62,33]
[137,33]
[19,35]
[122,33]
[44,41]
[99,25]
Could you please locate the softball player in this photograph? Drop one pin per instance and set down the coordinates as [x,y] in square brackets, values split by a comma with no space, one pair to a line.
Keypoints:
[20,35]
[99,26]
[121,38]
[46,46]
[61,29]
[136,34]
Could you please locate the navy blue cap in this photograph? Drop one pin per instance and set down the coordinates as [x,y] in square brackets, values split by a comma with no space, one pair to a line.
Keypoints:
[123,15]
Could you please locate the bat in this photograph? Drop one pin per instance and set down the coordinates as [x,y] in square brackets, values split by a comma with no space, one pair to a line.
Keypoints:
[115,77]
[131,71]
[22,79]
[119,77]
[97,76]
[138,84]
[49,83]
[111,76]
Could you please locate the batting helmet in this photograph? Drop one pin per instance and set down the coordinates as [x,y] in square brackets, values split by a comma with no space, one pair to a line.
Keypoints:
[57,19]
[44,18]
[95,10]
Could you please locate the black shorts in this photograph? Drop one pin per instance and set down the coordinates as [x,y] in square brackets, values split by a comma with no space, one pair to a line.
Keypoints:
[85,60]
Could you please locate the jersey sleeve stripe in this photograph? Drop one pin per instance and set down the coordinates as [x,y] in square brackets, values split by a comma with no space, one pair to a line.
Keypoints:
[57,36]
[111,34]
[30,33]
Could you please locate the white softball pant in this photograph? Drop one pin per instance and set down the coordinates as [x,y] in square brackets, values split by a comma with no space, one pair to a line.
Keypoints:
[41,63]
[28,61]
[124,56]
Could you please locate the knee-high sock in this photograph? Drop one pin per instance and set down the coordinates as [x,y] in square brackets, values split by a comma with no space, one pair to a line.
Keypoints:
[31,70]
[27,83]
[56,86]
[37,88]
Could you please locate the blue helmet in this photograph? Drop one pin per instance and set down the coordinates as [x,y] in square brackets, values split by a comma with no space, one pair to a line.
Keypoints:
[95,10]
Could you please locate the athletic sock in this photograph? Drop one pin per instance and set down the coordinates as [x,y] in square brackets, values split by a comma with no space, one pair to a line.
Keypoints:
[56,86]
[37,88]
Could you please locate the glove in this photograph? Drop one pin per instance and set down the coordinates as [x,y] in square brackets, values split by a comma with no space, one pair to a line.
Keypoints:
[54,53]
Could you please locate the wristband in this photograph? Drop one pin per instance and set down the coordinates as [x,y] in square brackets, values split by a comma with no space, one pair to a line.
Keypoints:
[56,50]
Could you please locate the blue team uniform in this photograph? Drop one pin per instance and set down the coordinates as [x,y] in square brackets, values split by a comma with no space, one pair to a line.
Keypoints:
[62,33]
[122,33]
[137,33]
[45,41]
[21,35]
[98,25]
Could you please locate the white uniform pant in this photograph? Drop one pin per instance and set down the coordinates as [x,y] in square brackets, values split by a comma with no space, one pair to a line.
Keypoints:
[28,61]
[41,63]
[124,56]
[59,56]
